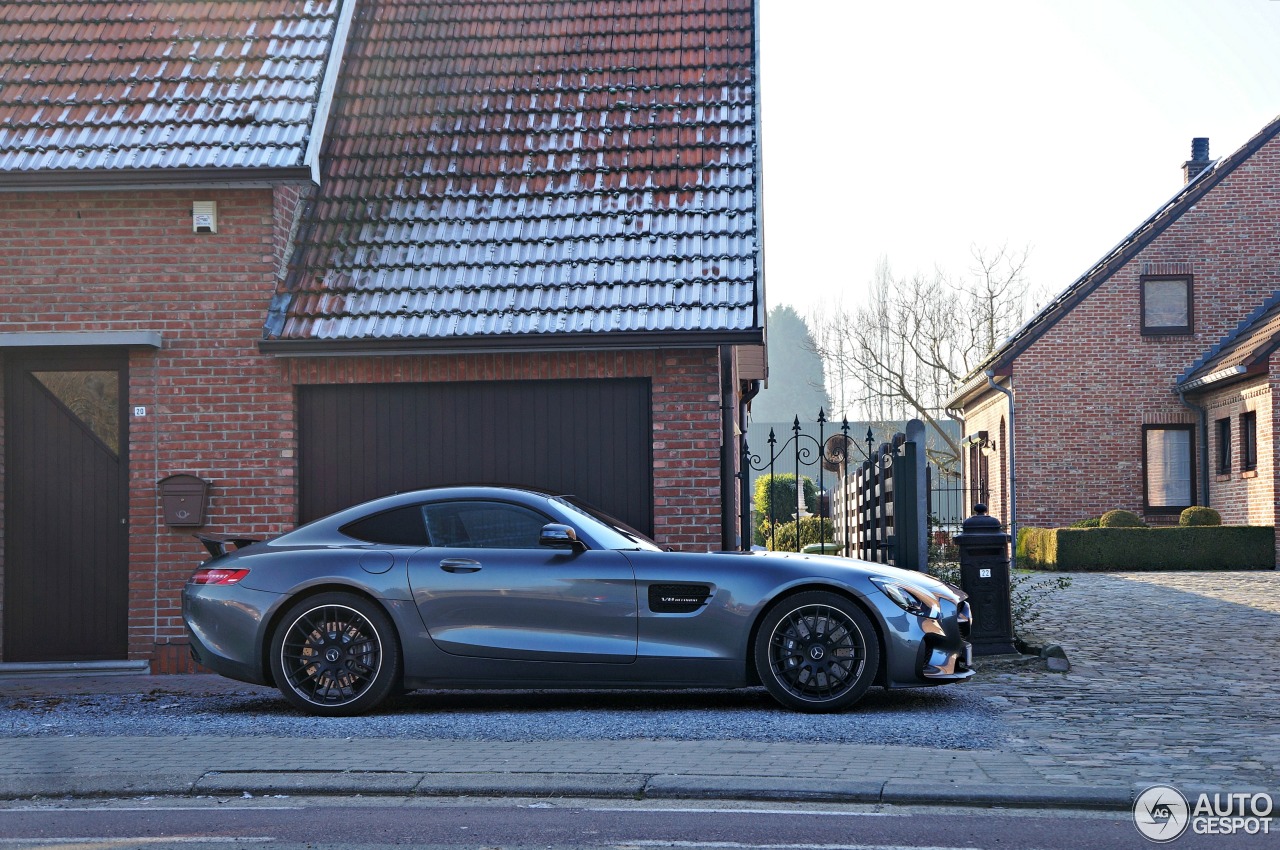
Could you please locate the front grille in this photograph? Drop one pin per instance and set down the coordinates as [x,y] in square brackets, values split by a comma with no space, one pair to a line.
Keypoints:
[964,619]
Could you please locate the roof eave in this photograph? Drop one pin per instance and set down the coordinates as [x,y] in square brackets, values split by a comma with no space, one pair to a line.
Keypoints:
[975,387]
[152,178]
[510,343]
[1219,378]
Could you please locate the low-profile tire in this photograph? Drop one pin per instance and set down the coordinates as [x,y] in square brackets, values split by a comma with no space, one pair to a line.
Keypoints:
[817,651]
[335,654]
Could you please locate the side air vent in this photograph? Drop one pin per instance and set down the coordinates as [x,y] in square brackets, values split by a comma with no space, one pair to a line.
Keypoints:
[677,598]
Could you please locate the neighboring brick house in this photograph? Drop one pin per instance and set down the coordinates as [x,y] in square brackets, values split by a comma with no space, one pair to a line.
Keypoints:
[1148,384]
[313,252]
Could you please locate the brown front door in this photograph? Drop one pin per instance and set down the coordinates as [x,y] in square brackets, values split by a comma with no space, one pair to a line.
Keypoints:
[66,580]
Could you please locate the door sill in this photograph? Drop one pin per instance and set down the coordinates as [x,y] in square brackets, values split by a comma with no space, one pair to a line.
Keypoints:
[74,668]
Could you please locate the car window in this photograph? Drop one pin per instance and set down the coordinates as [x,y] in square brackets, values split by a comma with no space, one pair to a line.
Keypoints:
[483,525]
[399,527]
[611,532]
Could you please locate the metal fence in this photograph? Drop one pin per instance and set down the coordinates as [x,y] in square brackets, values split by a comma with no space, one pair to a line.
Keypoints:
[875,507]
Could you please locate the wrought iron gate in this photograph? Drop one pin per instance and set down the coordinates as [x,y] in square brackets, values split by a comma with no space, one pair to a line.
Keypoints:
[877,507]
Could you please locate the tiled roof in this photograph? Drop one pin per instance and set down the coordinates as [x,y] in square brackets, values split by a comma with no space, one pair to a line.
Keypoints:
[105,85]
[1242,352]
[554,167]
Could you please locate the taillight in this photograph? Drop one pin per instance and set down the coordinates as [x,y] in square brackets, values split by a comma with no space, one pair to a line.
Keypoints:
[214,575]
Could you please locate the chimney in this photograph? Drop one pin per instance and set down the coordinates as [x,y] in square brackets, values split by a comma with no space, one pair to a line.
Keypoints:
[1199,160]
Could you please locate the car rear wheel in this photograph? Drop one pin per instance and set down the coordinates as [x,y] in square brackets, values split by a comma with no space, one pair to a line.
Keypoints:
[336,655]
[817,651]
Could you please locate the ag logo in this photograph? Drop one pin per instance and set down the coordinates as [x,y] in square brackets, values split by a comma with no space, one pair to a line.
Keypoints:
[1161,813]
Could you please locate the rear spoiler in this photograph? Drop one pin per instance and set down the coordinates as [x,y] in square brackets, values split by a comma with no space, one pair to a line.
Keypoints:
[223,544]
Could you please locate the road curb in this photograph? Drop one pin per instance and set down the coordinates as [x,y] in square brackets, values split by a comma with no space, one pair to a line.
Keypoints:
[587,785]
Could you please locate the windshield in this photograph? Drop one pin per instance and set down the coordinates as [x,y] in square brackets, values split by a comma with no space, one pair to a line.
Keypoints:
[612,533]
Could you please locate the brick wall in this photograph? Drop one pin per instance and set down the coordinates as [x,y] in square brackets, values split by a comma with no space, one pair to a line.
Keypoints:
[216,408]
[128,261]
[1243,497]
[1085,388]
[992,416]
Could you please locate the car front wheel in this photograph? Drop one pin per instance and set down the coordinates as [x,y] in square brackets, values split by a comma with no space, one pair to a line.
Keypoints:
[817,651]
[335,654]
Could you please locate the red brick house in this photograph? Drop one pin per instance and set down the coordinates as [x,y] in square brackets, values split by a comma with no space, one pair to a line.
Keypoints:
[314,252]
[1149,384]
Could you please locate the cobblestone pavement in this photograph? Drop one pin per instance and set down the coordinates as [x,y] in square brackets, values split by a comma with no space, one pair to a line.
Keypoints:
[1174,677]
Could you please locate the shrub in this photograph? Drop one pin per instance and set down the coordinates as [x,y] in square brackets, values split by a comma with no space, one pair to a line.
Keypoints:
[1223,547]
[1091,522]
[1121,519]
[812,529]
[1200,516]
[776,494]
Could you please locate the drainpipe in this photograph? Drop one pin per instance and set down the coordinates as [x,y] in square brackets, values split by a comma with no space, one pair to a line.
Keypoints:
[1202,415]
[729,445]
[744,477]
[1013,488]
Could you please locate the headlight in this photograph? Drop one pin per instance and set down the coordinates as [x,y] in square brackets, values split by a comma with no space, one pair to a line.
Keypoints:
[913,600]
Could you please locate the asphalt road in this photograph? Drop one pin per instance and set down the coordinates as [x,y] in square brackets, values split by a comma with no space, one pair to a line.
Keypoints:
[354,824]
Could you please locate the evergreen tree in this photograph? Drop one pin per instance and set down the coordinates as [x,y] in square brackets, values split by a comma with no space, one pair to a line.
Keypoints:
[797,385]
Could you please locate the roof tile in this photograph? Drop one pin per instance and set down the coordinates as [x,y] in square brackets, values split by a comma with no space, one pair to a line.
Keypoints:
[560,166]
[101,84]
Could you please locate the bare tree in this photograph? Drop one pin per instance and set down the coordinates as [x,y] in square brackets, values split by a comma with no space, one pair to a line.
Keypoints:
[904,350]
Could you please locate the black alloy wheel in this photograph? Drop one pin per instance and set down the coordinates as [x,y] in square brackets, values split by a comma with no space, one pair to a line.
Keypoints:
[335,655]
[817,651]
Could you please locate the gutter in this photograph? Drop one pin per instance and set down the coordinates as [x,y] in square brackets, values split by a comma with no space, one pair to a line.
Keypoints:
[510,343]
[1211,378]
[153,178]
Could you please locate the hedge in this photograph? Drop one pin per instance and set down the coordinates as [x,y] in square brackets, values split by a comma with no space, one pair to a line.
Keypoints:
[1221,547]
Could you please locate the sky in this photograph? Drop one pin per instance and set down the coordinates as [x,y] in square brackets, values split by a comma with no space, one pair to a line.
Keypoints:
[917,130]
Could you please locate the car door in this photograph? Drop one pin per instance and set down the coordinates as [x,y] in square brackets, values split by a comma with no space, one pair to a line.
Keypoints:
[485,588]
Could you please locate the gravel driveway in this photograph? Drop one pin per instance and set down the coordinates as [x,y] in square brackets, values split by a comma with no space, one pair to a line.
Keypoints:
[952,717]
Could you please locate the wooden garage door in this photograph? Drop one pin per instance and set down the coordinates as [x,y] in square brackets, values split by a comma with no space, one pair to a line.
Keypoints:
[591,438]
[66,567]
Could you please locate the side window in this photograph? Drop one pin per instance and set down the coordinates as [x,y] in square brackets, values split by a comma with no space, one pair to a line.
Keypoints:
[483,525]
[399,527]
[1224,446]
[1249,441]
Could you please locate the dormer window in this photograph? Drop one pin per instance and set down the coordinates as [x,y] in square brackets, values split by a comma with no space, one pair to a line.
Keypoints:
[1166,304]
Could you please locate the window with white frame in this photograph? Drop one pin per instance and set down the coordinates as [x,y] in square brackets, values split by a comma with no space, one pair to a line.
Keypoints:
[1168,459]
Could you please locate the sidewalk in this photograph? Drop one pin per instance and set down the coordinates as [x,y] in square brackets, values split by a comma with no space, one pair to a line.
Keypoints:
[1175,679]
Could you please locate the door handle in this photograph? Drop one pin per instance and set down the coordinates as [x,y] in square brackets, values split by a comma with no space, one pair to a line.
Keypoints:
[459,565]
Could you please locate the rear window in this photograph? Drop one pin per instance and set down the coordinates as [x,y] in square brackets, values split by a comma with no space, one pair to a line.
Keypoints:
[399,527]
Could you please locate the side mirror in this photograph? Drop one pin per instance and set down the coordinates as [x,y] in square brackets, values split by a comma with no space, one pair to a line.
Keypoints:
[557,536]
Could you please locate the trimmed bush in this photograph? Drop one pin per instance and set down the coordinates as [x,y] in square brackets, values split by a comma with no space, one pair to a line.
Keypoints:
[1091,522]
[1200,516]
[1219,547]
[1121,519]
[777,495]
[812,529]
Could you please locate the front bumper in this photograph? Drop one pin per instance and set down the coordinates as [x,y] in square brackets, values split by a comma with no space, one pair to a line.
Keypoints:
[924,651]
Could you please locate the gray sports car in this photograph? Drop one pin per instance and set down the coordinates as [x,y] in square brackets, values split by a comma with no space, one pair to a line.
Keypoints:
[494,587]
